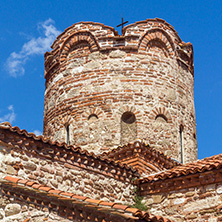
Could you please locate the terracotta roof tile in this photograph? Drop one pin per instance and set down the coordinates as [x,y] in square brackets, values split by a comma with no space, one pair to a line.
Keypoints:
[36,186]
[119,206]
[124,154]
[67,194]
[132,210]
[30,183]
[12,179]
[22,181]
[108,204]
[55,191]
[206,164]
[45,188]
[93,201]
[79,197]
[17,130]
[113,208]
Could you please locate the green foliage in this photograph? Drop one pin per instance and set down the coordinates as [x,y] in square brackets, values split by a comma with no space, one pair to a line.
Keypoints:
[138,201]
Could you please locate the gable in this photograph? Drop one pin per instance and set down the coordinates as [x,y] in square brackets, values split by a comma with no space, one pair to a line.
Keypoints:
[142,157]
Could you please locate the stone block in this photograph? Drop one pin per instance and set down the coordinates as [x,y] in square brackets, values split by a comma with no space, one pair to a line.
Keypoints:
[189,194]
[29,165]
[12,209]
[117,54]
[2,214]
[158,198]
[219,189]
[10,170]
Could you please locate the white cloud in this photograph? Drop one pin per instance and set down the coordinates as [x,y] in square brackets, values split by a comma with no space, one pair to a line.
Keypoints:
[37,132]
[35,46]
[10,116]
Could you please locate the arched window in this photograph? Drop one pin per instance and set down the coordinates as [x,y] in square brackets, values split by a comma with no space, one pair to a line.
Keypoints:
[128,127]
[128,117]
[181,144]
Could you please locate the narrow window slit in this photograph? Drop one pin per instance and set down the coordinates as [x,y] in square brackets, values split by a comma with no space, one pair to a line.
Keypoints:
[67,135]
[181,144]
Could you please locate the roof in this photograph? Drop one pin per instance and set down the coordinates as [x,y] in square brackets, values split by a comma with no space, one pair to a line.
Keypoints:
[202,172]
[206,164]
[38,194]
[55,148]
[141,156]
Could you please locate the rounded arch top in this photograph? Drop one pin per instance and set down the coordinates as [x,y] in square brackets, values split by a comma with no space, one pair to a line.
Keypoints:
[157,35]
[161,112]
[156,21]
[78,37]
[83,26]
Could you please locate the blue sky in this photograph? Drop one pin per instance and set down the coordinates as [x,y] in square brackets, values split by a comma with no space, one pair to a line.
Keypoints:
[34,25]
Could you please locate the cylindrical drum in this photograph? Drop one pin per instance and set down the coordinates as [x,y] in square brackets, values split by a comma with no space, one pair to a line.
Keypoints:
[104,89]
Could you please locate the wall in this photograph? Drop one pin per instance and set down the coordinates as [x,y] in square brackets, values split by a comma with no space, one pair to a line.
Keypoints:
[200,203]
[70,171]
[11,210]
[147,72]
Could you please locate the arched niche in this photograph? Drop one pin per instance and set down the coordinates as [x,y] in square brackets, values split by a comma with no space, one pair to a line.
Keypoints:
[157,40]
[78,40]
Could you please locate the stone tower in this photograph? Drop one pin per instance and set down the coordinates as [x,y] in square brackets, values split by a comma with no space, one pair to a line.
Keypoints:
[103,90]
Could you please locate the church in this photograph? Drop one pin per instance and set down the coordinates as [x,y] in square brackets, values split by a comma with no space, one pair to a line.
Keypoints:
[119,140]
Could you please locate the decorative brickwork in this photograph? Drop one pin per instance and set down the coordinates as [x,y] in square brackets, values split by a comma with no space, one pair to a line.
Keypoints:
[91,70]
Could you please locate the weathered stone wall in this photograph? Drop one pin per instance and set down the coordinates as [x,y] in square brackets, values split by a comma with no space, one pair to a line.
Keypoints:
[16,211]
[202,203]
[67,171]
[94,76]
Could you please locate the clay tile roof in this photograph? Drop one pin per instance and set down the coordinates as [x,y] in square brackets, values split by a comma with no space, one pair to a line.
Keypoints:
[55,191]
[30,183]
[67,194]
[93,201]
[108,204]
[98,206]
[7,126]
[119,206]
[12,179]
[206,164]
[36,186]
[45,188]
[22,181]
[139,155]
[79,197]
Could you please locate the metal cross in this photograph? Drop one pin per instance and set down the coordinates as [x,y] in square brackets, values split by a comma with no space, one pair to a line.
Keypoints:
[122,23]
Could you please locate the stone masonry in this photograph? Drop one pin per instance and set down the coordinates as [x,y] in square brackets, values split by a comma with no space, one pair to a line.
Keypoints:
[104,90]
[200,203]
[65,169]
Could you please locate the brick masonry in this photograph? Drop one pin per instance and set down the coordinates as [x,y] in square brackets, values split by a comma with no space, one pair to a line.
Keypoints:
[94,76]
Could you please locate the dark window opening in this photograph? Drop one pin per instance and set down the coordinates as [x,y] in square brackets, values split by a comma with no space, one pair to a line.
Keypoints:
[128,117]
[161,118]
[194,136]
[93,117]
[181,144]
[67,135]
